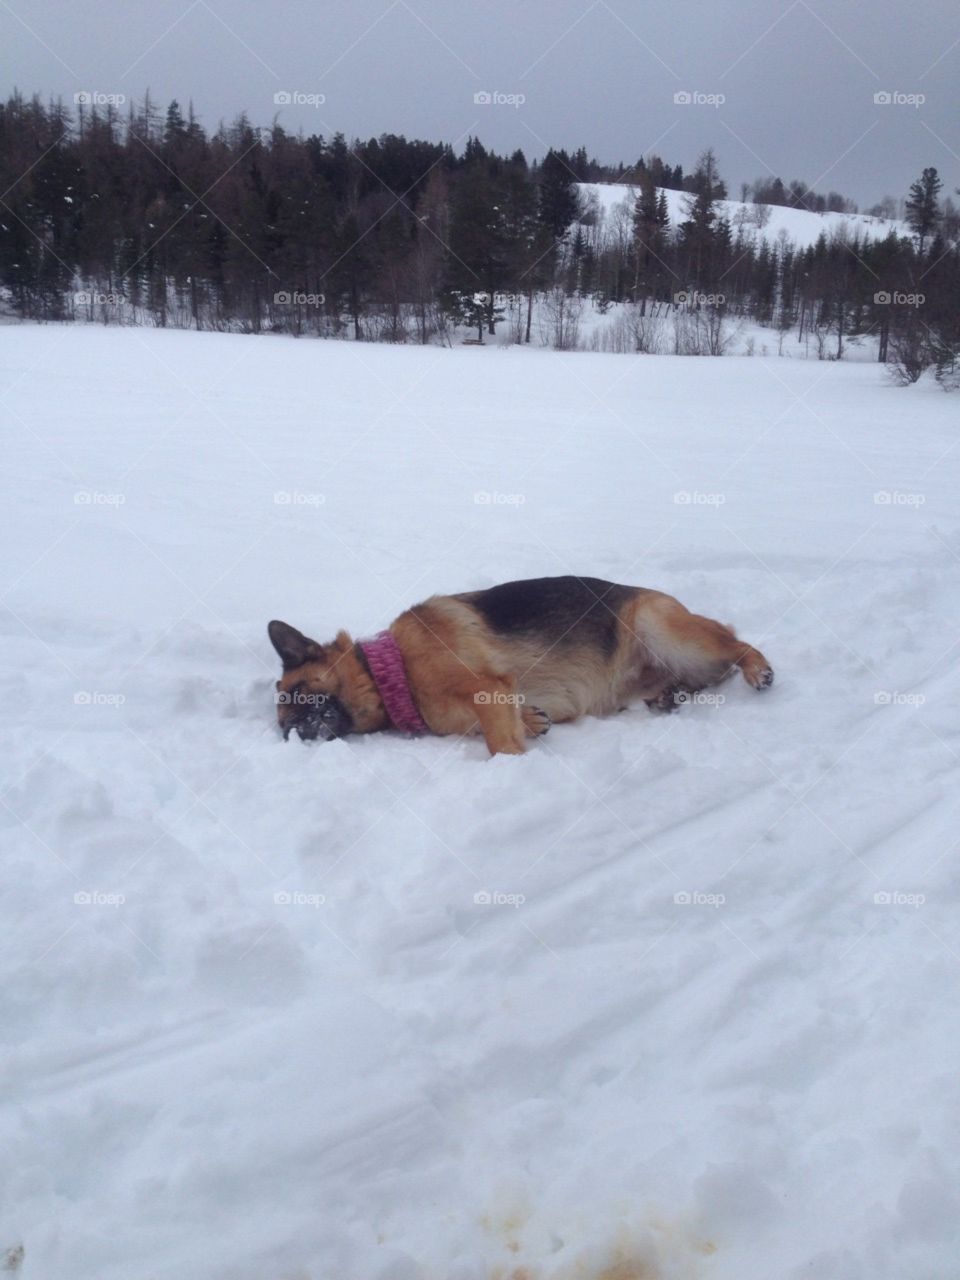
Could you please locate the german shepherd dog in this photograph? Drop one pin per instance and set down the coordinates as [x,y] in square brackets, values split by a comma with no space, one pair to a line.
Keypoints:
[509,661]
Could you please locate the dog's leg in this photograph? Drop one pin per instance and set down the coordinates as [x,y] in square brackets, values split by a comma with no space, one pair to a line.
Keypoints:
[498,710]
[724,650]
[695,651]
[756,670]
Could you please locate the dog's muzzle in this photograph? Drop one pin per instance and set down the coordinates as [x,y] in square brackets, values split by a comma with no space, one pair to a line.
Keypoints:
[325,717]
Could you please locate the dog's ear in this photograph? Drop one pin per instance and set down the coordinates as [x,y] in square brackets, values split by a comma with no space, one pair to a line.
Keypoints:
[293,647]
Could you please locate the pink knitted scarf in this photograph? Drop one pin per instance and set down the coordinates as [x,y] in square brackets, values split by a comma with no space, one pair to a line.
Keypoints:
[390,676]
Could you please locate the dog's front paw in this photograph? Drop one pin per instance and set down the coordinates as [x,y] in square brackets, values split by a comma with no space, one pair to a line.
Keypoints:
[761,678]
[535,721]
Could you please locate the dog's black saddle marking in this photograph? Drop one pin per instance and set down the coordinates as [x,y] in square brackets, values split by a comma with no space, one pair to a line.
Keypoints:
[562,611]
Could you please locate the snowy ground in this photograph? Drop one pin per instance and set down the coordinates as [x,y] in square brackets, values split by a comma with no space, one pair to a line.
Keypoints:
[259,1025]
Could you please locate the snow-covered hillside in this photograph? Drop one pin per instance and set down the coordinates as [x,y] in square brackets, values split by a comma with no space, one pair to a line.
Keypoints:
[666,998]
[798,225]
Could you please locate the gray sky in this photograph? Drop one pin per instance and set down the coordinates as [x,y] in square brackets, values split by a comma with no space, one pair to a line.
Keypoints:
[787,85]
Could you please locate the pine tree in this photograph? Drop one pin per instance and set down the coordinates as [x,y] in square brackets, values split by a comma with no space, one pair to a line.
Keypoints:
[698,231]
[559,202]
[175,127]
[922,208]
[663,213]
[479,248]
[650,221]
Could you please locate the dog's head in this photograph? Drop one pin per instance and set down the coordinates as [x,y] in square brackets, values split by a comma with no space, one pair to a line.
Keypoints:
[325,691]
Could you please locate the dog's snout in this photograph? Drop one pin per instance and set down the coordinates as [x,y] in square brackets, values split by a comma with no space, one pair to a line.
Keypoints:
[325,717]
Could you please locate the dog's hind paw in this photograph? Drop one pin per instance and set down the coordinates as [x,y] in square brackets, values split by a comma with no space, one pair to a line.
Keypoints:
[761,679]
[668,700]
[535,721]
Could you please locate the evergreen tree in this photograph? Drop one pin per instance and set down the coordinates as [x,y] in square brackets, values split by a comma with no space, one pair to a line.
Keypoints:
[479,248]
[650,223]
[698,231]
[559,203]
[922,208]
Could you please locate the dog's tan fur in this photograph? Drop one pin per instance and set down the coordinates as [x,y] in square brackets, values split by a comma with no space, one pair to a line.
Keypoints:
[466,676]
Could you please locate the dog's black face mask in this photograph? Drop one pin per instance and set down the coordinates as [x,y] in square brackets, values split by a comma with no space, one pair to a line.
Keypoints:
[314,715]
[305,696]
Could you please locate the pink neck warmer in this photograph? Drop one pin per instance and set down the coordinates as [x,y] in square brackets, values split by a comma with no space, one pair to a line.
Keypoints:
[389,675]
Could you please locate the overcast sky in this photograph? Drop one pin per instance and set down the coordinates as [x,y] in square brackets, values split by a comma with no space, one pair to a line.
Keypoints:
[780,87]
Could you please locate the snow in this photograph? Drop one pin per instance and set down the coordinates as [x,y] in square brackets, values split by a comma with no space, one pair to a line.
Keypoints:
[800,226]
[257,1021]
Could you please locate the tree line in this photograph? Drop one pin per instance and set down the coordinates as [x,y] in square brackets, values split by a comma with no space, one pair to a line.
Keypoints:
[147,217]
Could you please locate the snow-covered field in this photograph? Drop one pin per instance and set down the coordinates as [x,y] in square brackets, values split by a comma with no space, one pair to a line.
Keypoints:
[665,999]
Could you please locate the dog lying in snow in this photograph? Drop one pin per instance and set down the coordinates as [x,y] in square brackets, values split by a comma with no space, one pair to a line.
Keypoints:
[508,662]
